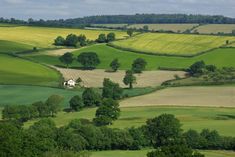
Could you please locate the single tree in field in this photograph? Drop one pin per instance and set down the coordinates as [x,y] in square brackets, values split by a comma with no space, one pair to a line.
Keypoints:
[91,98]
[111,90]
[53,103]
[59,41]
[130,32]
[67,59]
[115,65]
[76,103]
[129,79]
[89,60]
[71,40]
[146,28]
[139,65]
[102,38]
[111,37]
[107,112]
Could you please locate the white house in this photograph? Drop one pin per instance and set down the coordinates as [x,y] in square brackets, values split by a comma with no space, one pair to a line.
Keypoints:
[70,83]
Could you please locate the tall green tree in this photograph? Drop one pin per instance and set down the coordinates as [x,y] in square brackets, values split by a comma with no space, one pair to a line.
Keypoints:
[115,65]
[71,40]
[111,37]
[53,103]
[111,90]
[139,65]
[91,98]
[130,32]
[101,38]
[89,60]
[67,59]
[129,79]
[107,112]
[59,41]
[76,103]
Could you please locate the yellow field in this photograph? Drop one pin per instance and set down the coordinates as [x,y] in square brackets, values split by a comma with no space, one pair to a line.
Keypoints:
[186,96]
[165,27]
[44,36]
[173,44]
[215,28]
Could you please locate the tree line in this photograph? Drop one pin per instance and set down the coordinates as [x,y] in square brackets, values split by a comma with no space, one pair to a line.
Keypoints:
[127,19]
[163,133]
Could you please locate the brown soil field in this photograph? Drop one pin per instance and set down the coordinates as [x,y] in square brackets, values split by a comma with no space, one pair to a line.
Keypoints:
[209,96]
[94,78]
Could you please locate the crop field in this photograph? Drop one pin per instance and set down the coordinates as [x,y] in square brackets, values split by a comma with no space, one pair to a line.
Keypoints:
[142,153]
[109,25]
[186,96]
[12,47]
[14,70]
[223,57]
[95,78]
[215,28]
[43,37]
[172,44]
[198,118]
[165,27]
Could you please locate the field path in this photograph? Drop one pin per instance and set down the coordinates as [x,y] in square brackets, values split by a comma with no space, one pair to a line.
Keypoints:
[94,78]
[186,96]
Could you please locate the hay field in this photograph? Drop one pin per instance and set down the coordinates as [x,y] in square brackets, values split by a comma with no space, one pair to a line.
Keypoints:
[186,96]
[94,78]
[43,37]
[215,28]
[172,44]
[165,27]
[14,70]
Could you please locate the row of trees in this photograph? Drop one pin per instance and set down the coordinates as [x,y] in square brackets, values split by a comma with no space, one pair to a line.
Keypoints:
[39,109]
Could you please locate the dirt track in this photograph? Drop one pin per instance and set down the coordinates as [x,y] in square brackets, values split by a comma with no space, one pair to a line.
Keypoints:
[186,96]
[94,78]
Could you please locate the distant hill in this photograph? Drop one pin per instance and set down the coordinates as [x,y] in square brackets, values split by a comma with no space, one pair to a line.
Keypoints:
[127,19]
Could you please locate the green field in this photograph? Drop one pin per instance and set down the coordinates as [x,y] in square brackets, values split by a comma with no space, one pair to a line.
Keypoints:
[198,118]
[165,27]
[172,44]
[220,57]
[14,70]
[215,28]
[12,47]
[142,153]
[43,37]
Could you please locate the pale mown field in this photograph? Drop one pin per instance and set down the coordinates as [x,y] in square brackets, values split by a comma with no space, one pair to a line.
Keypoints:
[215,28]
[186,96]
[173,44]
[44,36]
[165,27]
[95,78]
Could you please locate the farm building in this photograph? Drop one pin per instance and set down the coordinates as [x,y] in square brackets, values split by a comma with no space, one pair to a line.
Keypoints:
[70,83]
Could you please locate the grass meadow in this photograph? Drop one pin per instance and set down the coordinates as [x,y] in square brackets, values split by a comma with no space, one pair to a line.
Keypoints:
[172,44]
[142,153]
[215,28]
[43,37]
[223,57]
[14,70]
[13,47]
[178,28]
[198,118]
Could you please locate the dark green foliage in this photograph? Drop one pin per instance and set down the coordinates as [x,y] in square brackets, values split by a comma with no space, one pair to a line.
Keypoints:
[115,65]
[76,103]
[89,60]
[174,151]
[211,68]
[67,58]
[102,38]
[212,139]
[53,103]
[107,112]
[71,40]
[111,90]
[130,32]
[164,130]
[129,79]
[59,41]
[139,138]
[139,65]
[197,68]
[82,40]
[146,28]
[91,98]
[194,139]
[42,108]
[111,37]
